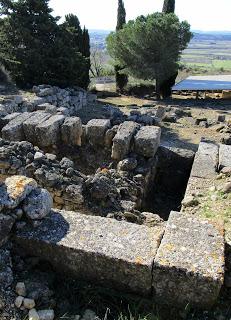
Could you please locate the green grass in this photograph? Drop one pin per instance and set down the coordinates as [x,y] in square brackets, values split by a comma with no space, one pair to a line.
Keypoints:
[225,64]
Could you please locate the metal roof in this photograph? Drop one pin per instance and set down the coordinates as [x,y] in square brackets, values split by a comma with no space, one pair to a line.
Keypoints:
[204,83]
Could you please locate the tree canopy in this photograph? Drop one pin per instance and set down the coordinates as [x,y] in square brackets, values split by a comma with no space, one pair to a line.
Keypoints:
[150,46]
[36,49]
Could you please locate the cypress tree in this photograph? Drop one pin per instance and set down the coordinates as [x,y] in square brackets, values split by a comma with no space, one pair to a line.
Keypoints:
[121,78]
[121,15]
[86,53]
[165,86]
[169,6]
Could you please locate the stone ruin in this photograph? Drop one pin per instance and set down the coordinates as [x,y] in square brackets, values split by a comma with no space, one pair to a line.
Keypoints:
[77,195]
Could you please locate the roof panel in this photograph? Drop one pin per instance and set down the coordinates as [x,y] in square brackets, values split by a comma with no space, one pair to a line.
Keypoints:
[204,83]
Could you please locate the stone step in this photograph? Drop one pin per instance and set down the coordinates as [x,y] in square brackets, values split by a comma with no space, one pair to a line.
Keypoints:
[189,265]
[185,265]
[206,161]
[102,250]
[224,156]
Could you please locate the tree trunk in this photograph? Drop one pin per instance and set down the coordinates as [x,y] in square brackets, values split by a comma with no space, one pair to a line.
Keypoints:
[158,88]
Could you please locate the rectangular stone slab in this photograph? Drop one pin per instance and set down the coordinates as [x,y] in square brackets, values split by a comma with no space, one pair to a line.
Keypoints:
[49,131]
[102,250]
[30,124]
[96,129]
[147,141]
[206,161]
[13,131]
[122,140]
[224,156]
[189,265]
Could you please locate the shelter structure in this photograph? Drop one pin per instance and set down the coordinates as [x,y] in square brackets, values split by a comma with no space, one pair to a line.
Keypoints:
[215,83]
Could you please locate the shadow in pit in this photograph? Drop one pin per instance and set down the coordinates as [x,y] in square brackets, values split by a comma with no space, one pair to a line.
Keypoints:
[167,191]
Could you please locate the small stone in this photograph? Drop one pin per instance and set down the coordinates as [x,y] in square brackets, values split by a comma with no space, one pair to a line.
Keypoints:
[29,303]
[20,289]
[38,204]
[51,157]
[39,156]
[212,189]
[213,197]
[89,315]
[226,170]
[2,304]
[190,201]
[33,315]
[227,188]
[18,301]
[46,314]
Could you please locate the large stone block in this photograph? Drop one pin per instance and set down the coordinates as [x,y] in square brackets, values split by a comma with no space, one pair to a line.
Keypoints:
[30,124]
[72,131]
[5,120]
[123,139]
[147,141]
[102,250]
[96,129]
[206,161]
[224,156]
[49,132]
[189,265]
[13,131]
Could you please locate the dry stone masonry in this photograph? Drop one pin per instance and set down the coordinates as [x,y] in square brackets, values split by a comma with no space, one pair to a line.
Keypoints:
[97,176]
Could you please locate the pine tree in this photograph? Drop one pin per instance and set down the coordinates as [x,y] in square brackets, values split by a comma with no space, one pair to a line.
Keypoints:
[121,78]
[169,6]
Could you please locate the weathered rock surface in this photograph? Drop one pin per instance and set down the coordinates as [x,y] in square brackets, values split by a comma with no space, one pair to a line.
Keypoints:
[13,131]
[49,132]
[206,160]
[38,204]
[72,131]
[96,129]
[147,141]
[30,124]
[189,265]
[224,156]
[123,138]
[77,244]
[6,224]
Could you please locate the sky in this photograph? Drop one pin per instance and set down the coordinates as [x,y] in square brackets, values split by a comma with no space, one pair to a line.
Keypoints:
[206,15]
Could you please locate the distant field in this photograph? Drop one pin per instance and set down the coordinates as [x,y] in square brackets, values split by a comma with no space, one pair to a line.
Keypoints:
[212,56]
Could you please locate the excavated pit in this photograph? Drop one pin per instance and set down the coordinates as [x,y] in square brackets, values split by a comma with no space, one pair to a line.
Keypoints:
[167,190]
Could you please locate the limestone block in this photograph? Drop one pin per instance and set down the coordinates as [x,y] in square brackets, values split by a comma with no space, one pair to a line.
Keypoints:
[5,120]
[71,131]
[49,132]
[147,141]
[206,161]
[123,139]
[96,129]
[189,265]
[30,124]
[224,156]
[77,244]
[13,131]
